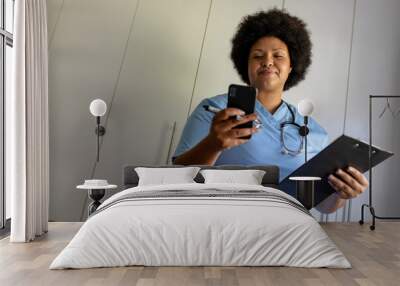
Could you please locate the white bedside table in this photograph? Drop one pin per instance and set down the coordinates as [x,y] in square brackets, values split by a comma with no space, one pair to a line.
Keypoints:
[96,191]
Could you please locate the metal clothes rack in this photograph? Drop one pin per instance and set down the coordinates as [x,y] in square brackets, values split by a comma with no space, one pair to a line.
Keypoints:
[369,205]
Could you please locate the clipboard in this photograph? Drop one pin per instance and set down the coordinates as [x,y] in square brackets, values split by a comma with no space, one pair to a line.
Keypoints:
[343,152]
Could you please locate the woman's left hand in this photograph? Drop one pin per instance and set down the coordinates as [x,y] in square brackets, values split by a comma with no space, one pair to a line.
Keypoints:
[348,183]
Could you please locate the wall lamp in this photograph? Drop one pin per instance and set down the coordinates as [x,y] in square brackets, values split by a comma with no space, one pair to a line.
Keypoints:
[98,108]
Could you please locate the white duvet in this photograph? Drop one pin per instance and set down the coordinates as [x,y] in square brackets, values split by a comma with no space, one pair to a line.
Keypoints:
[200,231]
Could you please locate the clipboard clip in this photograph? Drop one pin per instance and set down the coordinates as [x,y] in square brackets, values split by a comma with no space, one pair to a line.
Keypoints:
[357,145]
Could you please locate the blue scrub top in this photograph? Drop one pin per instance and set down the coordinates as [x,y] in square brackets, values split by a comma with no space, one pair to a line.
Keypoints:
[264,147]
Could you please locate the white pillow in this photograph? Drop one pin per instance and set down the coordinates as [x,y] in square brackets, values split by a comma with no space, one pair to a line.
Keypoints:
[248,177]
[162,176]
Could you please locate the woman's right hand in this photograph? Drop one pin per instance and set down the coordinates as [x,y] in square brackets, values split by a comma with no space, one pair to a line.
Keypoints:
[222,133]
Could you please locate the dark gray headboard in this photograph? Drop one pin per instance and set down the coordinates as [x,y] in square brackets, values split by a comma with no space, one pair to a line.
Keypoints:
[271,178]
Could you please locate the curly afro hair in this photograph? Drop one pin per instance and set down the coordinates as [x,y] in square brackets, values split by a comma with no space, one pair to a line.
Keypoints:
[277,23]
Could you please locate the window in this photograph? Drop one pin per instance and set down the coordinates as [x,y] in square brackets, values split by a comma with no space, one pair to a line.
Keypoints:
[6,60]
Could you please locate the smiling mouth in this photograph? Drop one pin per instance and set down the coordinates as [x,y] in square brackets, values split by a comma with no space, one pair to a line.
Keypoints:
[267,73]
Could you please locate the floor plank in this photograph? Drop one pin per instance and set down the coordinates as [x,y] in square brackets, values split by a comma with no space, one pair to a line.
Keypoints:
[375,257]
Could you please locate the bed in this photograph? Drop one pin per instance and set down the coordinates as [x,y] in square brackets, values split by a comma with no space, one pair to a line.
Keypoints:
[201,224]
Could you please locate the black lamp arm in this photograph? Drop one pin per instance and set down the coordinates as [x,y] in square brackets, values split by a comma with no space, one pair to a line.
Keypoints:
[304,130]
[100,131]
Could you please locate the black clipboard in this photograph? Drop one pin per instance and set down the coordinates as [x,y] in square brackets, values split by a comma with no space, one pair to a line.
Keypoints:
[343,152]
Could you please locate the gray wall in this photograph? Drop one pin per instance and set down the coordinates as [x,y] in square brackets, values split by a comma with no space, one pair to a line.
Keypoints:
[152,61]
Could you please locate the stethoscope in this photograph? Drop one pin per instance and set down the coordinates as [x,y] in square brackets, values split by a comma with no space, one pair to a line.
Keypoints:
[302,129]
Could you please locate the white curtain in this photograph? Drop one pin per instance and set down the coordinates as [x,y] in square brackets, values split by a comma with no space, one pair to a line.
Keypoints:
[27,142]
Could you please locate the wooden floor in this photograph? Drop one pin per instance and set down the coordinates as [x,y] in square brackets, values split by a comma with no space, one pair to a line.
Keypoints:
[375,256]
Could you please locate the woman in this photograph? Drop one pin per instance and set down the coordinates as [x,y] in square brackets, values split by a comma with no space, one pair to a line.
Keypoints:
[272,52]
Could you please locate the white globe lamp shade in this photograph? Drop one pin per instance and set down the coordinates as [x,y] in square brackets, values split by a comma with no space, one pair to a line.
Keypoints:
[98,107]
[305,107]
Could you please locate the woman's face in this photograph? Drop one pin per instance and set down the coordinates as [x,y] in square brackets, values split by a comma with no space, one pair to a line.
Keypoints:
[269,64]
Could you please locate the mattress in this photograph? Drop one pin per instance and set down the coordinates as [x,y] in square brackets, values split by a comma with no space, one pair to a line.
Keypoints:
[201,225]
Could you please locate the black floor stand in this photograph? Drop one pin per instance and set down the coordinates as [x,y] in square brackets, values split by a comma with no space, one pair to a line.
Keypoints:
[371,208]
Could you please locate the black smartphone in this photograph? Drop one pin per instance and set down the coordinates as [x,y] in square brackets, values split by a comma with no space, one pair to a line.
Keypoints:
[244,98]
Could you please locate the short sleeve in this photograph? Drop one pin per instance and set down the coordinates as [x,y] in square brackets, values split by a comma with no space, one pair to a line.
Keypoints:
[196,128]
[325,141]
[319,138]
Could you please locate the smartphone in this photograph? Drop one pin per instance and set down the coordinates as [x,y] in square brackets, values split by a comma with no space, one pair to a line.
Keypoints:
[244,98]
